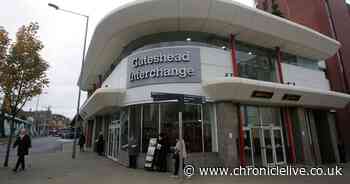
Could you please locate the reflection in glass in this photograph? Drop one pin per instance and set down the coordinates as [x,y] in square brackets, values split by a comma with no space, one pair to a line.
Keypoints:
[209,128]
[124,122]
[170,121]
[192,128]
[150,124]
[256,62]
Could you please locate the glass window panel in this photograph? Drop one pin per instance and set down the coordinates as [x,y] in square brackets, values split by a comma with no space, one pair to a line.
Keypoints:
[192,128]
[209,128]
[256,62]
[150,124]
[266,114]
[251,114]
[170,121]
[300,61]
[135,123]
[124,122]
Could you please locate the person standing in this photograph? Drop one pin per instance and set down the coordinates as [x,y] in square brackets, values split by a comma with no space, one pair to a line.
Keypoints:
[133,152]
[100,144]
[162,153]
[179,145]
[82,142]
[23,143]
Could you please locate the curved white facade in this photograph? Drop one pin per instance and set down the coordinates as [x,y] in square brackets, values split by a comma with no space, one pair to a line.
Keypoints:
[220,17]
[257,72]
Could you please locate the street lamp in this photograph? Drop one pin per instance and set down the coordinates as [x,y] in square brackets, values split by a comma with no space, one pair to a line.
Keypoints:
[81,69]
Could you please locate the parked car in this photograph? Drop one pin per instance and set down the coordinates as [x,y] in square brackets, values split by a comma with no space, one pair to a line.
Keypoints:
[68,133]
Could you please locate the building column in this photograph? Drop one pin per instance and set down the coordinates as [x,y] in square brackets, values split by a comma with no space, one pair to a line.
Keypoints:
[314,139]
[228,133]
[305,137]
[333,136]
[93,134]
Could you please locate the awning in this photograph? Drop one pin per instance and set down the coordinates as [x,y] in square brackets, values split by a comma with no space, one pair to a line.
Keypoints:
[260,92]
[102,99]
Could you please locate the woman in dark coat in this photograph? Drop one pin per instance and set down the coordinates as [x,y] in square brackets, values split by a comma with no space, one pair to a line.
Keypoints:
[23,143]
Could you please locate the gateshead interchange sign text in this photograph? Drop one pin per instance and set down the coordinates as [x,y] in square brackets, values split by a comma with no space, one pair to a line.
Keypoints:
[164,65]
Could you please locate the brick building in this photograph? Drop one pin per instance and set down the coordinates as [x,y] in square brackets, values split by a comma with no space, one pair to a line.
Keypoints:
[331,18]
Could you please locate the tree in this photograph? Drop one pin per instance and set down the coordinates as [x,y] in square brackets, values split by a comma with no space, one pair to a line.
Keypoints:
[22,73]
[276,9]
[4,43]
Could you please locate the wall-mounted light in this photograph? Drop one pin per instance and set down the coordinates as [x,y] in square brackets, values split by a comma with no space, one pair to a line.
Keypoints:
[188,39]
[224,47]
[250,53]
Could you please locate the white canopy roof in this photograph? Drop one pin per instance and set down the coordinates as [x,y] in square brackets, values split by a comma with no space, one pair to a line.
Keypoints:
[102,98]
[221,17]
[241,90]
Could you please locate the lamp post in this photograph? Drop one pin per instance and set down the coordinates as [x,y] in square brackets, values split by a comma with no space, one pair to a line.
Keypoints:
[81,70]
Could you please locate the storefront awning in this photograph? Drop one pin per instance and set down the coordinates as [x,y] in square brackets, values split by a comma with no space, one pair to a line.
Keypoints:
[260,92]
[101,99]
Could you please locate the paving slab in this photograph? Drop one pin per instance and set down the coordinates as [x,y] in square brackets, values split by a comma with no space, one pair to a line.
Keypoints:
[88,168]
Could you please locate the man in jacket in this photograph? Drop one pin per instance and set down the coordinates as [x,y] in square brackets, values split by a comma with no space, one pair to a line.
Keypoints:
[23,143]
[133,152]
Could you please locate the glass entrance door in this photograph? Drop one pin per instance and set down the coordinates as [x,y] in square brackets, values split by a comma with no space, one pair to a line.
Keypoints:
[113,140]
[264,146]
[263,137]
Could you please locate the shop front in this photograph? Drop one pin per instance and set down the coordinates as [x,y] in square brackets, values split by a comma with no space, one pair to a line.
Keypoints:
[267,101]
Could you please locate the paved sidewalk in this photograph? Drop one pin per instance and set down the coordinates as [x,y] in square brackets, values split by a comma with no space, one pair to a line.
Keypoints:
[3,140]
[59,168]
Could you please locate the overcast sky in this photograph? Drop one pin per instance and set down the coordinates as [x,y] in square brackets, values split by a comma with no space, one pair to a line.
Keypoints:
[62,35]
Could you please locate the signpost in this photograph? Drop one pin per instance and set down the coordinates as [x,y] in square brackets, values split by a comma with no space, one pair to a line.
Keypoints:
[181,99]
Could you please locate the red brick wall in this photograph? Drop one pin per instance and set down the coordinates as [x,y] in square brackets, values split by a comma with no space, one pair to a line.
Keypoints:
[313,14]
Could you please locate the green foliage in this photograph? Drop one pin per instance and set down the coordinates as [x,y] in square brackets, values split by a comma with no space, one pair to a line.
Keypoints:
[22,69]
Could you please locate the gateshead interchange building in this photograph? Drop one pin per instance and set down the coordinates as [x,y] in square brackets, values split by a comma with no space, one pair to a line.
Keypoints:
[268,101]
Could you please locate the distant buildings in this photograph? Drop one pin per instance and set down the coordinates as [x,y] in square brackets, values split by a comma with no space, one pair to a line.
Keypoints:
[19,123]
[45,120]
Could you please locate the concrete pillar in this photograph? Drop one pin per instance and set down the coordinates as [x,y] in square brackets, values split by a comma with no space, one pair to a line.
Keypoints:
[314,137]
[305,138]
[228,133]
[333,136]
[93,134]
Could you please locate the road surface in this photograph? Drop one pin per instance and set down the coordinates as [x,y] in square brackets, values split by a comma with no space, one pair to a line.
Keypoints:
[40,145]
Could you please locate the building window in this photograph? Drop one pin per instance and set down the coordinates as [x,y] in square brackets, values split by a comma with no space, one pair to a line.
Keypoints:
[300,61]
[209,128]
[124,123]
[192,128]
[199,127]
[150,124]
[169,121]
[261,116]
[178,38]
[135,123]
[256,62]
